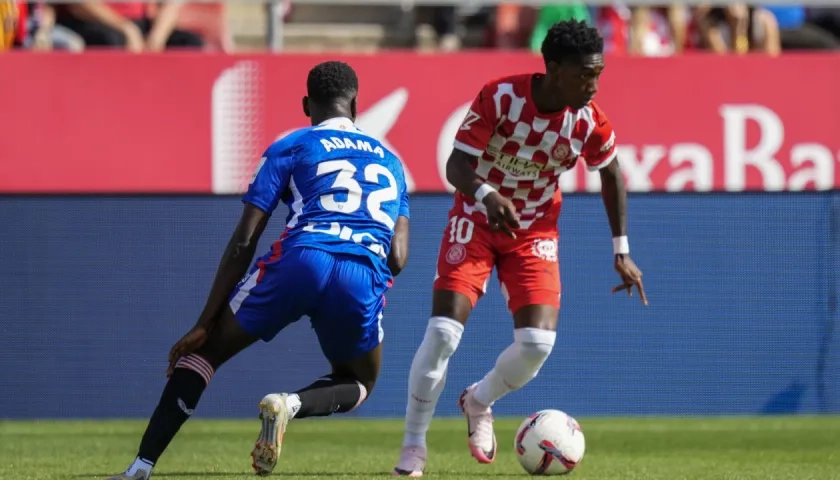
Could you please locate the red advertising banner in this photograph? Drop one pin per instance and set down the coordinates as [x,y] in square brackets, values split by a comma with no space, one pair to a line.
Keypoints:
[197,123]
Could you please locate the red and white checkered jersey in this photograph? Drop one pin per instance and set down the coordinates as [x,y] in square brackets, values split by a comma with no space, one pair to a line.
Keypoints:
[522,152]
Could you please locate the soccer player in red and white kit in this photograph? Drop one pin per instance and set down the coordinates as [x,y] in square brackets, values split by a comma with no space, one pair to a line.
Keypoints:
[519,135]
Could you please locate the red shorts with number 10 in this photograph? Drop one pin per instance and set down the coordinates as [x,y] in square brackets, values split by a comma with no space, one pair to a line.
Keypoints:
[527,265]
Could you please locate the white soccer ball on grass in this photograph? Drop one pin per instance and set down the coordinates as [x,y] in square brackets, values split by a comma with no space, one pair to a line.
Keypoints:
[549,442]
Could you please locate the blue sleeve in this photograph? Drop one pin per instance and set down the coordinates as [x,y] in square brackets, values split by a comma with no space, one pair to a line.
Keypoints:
[271,179]
[404,210]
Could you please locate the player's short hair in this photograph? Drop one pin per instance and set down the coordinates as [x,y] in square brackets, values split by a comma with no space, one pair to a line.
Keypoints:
[570,40]
[331,81]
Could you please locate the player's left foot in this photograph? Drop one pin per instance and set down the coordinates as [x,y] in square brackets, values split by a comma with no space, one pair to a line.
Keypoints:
[482,438]
[275,416]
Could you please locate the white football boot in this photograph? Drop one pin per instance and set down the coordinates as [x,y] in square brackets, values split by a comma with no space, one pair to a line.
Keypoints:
[139,470]
[481,437]
[275,417]
[412,462]
[138,475]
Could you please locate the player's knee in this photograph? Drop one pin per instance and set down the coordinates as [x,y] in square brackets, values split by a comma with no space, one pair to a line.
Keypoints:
[442,336]
[365,384]
[535,345]
[366,387]
[365,379]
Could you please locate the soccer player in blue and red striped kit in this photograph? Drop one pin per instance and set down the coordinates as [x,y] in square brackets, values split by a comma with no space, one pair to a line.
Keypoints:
[346,237]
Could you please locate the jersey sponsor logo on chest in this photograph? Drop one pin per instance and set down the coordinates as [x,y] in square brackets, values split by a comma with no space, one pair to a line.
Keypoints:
[517,166]
[523,167]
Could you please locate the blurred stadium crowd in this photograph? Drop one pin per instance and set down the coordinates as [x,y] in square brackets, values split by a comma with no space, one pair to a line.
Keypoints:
[238,26]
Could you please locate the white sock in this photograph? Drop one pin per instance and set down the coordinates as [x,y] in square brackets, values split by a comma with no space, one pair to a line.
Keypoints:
[293,404]
[517,365]
[428,376]
[139,464]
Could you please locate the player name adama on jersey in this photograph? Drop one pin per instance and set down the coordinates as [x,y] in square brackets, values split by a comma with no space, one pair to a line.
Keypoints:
[333,143]
[522,152]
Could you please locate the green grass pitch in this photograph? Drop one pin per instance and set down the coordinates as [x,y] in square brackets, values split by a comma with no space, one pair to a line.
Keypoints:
[764,448]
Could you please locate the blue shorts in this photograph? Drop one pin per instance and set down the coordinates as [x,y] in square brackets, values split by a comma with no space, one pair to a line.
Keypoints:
[343,296]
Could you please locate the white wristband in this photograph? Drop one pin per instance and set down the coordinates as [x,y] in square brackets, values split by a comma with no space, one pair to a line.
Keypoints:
[621,245]
[483,191]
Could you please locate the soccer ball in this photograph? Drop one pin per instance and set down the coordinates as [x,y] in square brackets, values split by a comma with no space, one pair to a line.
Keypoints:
[549,442]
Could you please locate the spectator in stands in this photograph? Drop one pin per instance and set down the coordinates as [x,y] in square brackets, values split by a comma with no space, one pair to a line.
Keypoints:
[9,16]
[511,26]
[826,18]
[516,26]
[657,31]
[130,25]
[643,30]
[41,33]
[209,20]
[798,33]
[32,26]
[551,13]
[638,30]
[738,28]
[444,21]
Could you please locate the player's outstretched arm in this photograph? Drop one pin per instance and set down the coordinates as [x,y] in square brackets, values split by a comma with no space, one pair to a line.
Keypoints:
[398,256]
[235,261]
[614,193]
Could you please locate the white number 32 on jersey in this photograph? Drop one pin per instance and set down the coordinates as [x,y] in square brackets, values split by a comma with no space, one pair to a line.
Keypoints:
[345,180]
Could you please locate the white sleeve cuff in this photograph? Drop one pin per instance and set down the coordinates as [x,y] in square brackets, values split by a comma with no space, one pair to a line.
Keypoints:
[468,149]
[604,163]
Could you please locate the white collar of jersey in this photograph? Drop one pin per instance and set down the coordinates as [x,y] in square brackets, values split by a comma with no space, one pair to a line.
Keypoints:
[338,123]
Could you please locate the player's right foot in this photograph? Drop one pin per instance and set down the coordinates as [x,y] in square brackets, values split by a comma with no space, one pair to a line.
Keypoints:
[482,438]
[412,462]
[275,416]
[138,475]
[139,470]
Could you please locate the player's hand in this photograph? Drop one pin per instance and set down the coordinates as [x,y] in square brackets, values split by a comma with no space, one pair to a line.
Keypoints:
[630,275]
[501,214]
[189,343]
